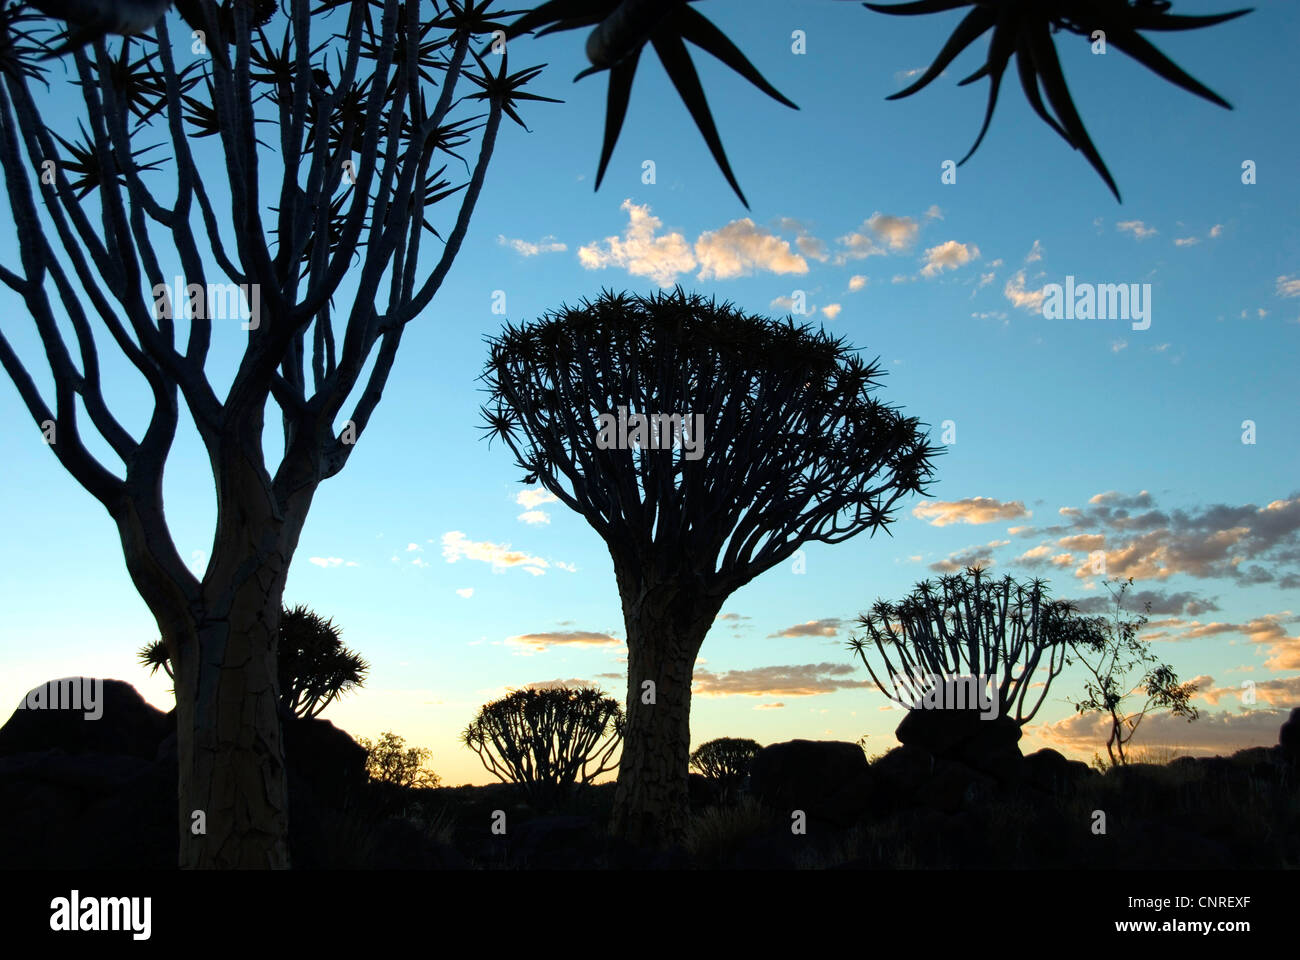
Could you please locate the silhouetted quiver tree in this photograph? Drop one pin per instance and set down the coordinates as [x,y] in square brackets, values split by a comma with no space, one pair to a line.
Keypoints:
[330,129]
[782,443]
[968,625]
[548,741]
[725,761]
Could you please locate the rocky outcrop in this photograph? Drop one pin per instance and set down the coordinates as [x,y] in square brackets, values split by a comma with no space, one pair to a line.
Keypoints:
[828,779]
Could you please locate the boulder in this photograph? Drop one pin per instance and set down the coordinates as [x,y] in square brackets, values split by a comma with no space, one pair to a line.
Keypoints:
[1288,738]
[898,777]
[86,811]
[955,787]
[827,779]
[127,725]
[703,791]
[332,763]
[1053,773]
[987,745]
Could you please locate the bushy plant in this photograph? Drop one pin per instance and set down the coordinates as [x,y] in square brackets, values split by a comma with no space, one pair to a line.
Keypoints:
[390,761]
[1114,655]
[725,761]
[549,742]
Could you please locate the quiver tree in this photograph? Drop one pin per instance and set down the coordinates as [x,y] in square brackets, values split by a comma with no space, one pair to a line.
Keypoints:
[329,136]
[314,666]
[778,441]
[549,742]
[1005,633]
[1123,672]
[725,761]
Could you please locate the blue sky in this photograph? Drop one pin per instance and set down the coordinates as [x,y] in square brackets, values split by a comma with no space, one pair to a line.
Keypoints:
[1128,441]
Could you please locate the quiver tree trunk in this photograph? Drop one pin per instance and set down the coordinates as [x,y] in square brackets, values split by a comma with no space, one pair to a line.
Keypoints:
[221,635]
[229,736]
[280,244]
[666,625]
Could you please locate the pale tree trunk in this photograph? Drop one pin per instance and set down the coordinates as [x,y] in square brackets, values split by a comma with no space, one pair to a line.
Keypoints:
[232,773]
[221,635]
[665,627]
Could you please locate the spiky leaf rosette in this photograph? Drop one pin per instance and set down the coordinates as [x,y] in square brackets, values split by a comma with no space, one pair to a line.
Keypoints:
[1024,29]
[622,30]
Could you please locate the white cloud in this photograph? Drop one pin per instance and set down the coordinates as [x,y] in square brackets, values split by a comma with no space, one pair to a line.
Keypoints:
[548,244]
[831,310]
[1288,286]
[934,213]
[941,513]
[538,642]
[465,592]
[740,248]
[456,546]
[414,548]
[1020,297]
[531,499]
[1035,253]
[857,282]
[535,498]
[948,256]
[639,251]
[1137,228]
[326,562]
[880,234]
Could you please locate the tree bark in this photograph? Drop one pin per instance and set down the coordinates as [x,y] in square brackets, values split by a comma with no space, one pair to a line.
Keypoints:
[666,626]
[229,737]
[222,636]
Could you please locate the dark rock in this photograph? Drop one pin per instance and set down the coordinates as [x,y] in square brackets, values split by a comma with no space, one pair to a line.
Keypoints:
[1053,773]
[127,726]
[955,787]
[944,732]
[331,762]
[987,745]
[898,777]
[827,779]
[703,791]
[91,811]
[1288,738]
[89,775]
